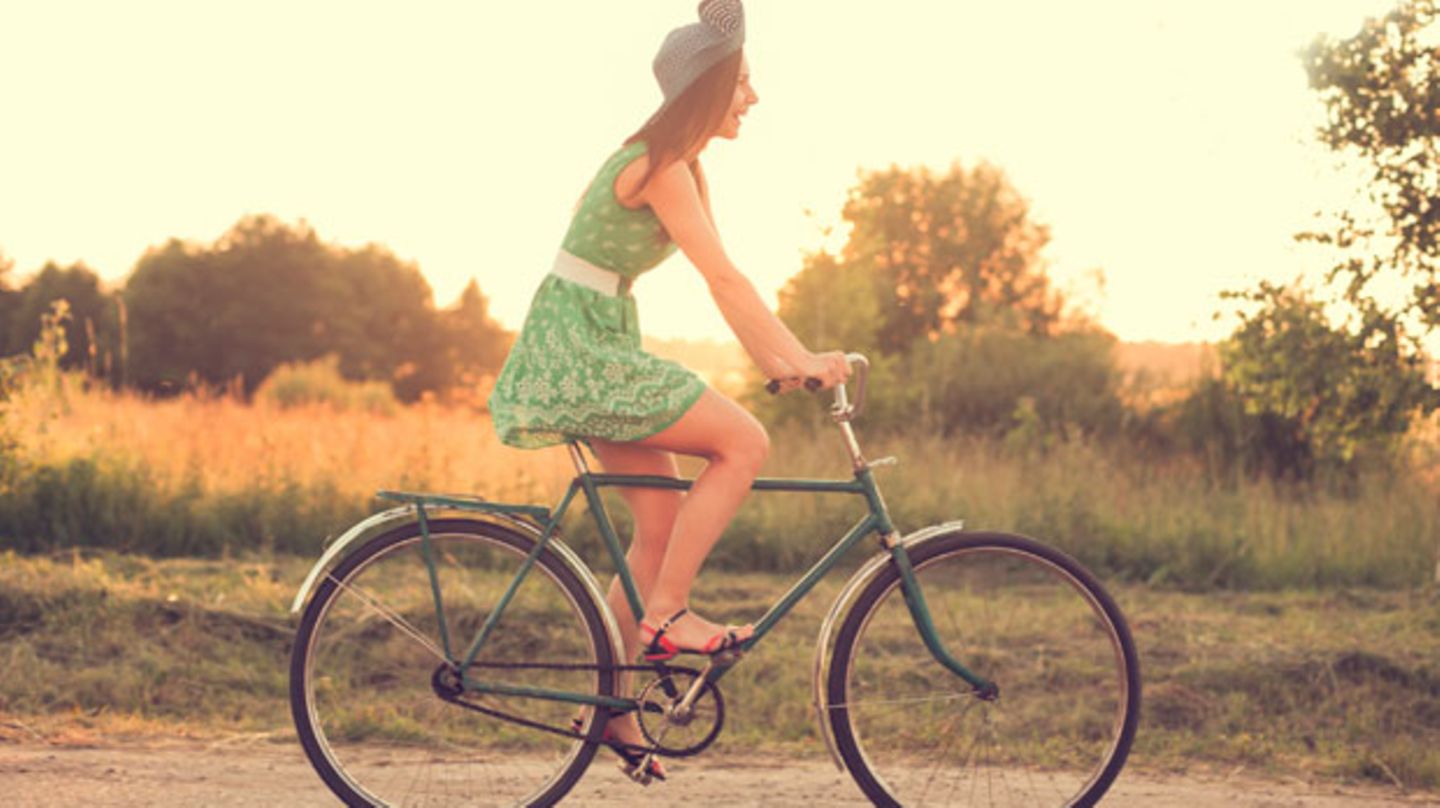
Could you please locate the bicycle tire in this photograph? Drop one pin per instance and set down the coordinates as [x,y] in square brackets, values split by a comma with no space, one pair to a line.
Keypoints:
[1019,613]
[361,694]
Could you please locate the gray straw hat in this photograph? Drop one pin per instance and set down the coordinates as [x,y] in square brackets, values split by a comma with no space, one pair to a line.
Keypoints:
[690,50]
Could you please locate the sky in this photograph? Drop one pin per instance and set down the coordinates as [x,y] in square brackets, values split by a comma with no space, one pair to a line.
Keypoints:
[1168,144]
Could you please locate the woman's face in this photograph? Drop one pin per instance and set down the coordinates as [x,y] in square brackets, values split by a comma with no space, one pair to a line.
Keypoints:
[744,99]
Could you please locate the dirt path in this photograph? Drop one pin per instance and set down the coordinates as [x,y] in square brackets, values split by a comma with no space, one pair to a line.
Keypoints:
[233,774]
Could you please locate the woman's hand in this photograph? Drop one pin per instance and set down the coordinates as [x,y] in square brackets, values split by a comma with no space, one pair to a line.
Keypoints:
[830,368]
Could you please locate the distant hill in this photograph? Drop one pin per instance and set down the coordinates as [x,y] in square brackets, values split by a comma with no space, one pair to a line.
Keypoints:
[1166,363]
[722,364]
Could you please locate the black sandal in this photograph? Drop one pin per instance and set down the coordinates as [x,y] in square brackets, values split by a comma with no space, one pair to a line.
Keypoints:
[629,754]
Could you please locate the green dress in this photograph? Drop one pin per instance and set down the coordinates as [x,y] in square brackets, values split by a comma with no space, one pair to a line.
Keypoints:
[577,370]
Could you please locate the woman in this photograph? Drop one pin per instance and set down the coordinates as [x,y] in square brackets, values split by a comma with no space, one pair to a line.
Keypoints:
[577,370]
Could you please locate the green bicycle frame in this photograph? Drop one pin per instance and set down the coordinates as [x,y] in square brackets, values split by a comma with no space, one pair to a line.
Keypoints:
[876,521]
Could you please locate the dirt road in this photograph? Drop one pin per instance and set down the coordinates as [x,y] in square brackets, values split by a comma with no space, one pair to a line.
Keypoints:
[266,774]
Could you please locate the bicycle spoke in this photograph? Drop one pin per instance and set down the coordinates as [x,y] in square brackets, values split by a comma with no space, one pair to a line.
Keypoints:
[1015,617]
[914,700]
[376,708]
[392,616]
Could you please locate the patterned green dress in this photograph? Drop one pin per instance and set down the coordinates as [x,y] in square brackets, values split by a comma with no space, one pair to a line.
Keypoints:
[577,370]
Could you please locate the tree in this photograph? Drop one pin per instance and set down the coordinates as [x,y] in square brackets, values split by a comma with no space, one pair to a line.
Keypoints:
[1325,394]
[259,296]
[266,293]
[477,345]
[90,331]
[1381,90]
[9,300]
[835,305]
[942,284]
[951,249]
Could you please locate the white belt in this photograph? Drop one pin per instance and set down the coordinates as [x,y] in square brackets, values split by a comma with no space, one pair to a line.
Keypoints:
[578,270]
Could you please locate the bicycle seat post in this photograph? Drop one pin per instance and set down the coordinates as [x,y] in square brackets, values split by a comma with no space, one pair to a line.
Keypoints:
[578,458]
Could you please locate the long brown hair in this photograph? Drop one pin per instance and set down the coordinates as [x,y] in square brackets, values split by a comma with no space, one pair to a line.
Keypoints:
[693,116]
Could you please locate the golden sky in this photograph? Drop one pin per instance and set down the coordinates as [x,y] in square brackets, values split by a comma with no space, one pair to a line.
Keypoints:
[1166,142]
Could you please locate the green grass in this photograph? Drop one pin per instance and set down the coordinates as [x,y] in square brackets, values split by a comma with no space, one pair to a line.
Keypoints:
[1338,683]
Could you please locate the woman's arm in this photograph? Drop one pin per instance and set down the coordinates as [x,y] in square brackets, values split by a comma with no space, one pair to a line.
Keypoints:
[676,199]
[704,187]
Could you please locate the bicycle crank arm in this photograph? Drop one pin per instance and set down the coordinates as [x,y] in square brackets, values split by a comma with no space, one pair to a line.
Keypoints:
[682,710]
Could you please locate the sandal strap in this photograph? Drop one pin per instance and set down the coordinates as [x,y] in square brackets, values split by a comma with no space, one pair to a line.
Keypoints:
[655,637]
[670,621]
[723,641]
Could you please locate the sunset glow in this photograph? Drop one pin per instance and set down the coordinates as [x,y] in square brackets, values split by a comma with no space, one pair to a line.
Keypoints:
[1167,144]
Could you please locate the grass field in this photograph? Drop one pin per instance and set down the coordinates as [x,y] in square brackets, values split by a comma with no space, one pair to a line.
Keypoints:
[1339,683]
[149,549]
[209,476]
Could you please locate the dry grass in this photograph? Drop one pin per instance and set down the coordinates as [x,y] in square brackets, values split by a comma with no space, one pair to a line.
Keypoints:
[226,445]
[210,475]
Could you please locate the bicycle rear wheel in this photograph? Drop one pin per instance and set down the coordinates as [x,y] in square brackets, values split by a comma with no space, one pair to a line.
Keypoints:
[1019,614]
[363,674]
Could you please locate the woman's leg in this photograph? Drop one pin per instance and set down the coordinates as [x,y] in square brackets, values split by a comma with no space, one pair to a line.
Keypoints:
[653,511]
[735,444]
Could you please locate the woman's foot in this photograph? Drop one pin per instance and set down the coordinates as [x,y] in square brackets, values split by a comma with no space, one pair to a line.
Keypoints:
[623,737]
[626,730]
[665,636]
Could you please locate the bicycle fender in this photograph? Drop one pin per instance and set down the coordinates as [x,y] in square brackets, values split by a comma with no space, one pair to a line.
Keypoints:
[402,515]
[857,582]
[373,525]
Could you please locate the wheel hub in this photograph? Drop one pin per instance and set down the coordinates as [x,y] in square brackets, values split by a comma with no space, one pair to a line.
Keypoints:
[447,682]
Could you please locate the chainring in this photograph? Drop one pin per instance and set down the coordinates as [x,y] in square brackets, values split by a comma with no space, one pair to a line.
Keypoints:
[674,733]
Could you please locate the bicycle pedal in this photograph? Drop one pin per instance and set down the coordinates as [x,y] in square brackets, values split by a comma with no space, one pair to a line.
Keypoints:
[639,774]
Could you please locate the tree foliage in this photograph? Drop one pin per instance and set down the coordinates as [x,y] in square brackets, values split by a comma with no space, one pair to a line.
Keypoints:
[1381,91]
[9,299]
[1300,395]
[943,285]
[1324,394]
[266,293]
[475,345]
[950,249]
[91,330]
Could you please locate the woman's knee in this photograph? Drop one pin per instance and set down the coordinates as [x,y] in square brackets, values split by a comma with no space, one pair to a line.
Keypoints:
[747,447]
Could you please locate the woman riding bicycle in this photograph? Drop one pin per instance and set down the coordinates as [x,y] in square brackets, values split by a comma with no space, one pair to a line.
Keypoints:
[578,372]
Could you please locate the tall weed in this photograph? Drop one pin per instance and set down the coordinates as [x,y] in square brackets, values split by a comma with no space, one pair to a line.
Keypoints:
[203,476]
[298,384]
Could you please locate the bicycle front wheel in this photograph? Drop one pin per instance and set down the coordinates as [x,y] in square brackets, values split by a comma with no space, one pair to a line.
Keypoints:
[368,689]
[1019,614]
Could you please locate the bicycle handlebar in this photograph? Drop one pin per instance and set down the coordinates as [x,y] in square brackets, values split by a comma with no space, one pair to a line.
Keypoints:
[843,408]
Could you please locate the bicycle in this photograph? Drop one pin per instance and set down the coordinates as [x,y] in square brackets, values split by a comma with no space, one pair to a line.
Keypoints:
[953,666]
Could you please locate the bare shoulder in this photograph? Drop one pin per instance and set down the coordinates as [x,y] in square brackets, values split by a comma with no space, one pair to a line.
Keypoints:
[672,183]
[627,183]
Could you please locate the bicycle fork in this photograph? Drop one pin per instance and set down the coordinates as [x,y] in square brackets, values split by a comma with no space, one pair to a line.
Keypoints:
[920,613]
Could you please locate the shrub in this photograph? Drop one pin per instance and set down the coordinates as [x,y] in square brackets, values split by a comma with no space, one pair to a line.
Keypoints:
[319,382]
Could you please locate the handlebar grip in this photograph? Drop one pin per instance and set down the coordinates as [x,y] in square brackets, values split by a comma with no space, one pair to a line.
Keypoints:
[845,408]
[811,383]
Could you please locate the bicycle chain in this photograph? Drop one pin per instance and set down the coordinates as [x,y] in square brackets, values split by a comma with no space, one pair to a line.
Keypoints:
[453,696]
